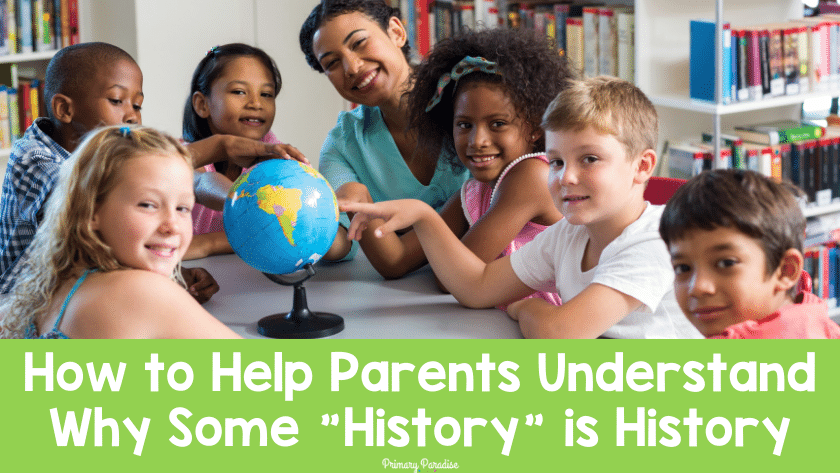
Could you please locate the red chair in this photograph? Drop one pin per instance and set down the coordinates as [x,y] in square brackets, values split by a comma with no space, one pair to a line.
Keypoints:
[660,189]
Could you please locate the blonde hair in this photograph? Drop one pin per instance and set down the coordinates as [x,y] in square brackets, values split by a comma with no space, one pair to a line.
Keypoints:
[610,105]
[65,240]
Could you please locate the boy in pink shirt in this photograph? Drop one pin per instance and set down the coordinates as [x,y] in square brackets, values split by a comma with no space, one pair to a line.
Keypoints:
[735,239]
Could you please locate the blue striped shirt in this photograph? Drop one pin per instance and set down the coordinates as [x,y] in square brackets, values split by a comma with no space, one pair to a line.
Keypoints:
[31,174]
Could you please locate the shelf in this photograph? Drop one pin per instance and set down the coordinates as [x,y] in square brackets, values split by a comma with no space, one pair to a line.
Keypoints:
[815,211]
[682,103]
[28,57]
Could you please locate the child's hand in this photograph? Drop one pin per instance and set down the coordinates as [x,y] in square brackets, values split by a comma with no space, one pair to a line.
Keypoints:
[200,283]
[398,214]
[246,152]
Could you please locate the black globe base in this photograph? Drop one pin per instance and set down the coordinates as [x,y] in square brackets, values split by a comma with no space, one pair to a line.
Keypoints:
[300,322]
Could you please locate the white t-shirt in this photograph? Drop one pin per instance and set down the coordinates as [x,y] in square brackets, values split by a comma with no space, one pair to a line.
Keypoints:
[636,263]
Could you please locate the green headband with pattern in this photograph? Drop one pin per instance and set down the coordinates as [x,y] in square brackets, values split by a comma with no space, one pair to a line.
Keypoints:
[465,66]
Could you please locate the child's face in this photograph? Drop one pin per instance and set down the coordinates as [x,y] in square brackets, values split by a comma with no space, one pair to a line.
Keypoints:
[113,97]
[241,100]
[487,131]
[147,218]
[364,63]
[721,279]
[591,179]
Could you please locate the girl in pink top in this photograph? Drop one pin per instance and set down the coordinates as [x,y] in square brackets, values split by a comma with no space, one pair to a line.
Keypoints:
[232,92]
[481,96]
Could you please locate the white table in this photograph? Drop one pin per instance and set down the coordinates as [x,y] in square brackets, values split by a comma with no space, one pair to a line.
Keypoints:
[411,307]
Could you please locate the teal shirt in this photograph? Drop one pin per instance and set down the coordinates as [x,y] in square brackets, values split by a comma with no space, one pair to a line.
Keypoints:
[361,149]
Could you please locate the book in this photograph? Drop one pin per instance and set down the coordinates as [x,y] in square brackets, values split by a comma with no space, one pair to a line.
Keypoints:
[754,88]
[804,49]
[10,15]
[626,46]
[735,145]
[561,13]
[574,42]
[759,157]
[421,16]
[790,50]
[5,119]
[818,61]
[14,114]
[591,55]
[607,41]
[686,160]
[739,49]
[24,21]
[73,19]
[65,24]
[777,71]
[782,131]
[764,61]
[702,81]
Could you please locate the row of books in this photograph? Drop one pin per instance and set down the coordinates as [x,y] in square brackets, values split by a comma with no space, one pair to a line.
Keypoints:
[28,26]
[19,108]
[822,263]
[597,39]
[768,60]
[805,154]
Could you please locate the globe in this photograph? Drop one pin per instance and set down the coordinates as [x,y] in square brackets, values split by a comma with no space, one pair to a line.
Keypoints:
[280,215]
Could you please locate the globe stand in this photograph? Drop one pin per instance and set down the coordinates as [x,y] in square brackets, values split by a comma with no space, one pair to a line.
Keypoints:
[300,322]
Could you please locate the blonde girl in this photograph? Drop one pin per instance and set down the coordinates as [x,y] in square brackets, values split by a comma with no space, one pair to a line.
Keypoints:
[104,263]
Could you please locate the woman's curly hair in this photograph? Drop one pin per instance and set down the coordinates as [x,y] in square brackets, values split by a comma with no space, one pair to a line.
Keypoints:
[532,73]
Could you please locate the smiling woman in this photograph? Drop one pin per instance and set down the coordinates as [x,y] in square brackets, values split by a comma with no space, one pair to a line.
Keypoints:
[370,155]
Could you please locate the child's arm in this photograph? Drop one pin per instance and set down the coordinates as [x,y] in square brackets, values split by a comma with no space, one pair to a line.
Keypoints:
[587,315]
[200,283]
[473,282]
[208,244]
[211,189]
[141,304]
[393,256]
[243,152]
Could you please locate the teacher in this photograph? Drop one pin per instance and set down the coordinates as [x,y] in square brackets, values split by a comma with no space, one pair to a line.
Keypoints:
[361,46]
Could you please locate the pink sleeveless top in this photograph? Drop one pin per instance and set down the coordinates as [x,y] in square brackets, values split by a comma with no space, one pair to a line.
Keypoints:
[477,198]
[206,220]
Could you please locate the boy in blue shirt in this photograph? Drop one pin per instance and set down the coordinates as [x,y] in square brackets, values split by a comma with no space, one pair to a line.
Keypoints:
[86,86]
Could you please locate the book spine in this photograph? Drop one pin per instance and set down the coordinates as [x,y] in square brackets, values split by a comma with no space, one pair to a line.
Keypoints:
[824,162]
[591,57]
[777,72]
[607,33]
[25,26]
[561,13]
[790,51]
[626,46]
[73,18]
[5,122]
[685,161]
[702,80]
[14,114]
[574,41]
[753,65]
[65,23]
[11,27]
[743,88]
[764,44]
[804,70]
[4,35]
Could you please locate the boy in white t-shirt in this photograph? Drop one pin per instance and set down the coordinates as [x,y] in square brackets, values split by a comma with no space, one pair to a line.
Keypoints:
[605,258]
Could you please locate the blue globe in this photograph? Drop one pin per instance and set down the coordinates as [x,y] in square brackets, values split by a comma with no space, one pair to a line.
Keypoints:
[281,215]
